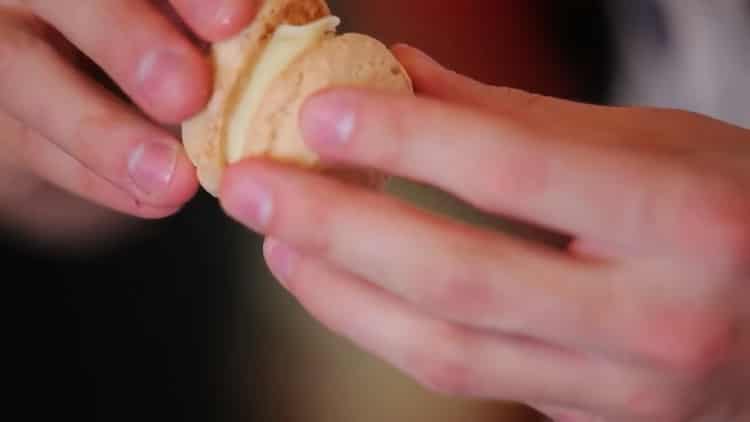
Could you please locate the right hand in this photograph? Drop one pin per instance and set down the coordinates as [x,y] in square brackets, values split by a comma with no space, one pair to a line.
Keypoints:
[58,126]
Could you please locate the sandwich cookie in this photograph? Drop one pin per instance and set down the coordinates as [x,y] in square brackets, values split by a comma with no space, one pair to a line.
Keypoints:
[263,76]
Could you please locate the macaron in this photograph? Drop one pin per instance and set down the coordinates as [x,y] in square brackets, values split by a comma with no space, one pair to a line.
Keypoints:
[262,77]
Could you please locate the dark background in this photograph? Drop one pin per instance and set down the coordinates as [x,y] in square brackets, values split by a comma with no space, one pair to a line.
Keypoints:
[140,331]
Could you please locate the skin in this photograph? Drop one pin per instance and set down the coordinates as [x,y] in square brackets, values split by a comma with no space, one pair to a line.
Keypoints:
[644,315]
[93,151]
[655,203]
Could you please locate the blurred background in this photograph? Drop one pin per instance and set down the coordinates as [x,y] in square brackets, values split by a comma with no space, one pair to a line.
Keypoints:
[179,319]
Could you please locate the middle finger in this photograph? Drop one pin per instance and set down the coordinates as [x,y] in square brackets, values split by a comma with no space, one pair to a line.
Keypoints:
[486,280]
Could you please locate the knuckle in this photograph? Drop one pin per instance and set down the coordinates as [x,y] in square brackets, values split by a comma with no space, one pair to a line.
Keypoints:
[655,403]
[465,296]
[318,230]
[687,343]
[728,221]
[388,154]
[83,141]
[519,172]
[733,233]
[705,350]
[440,366]
[322,240]
[714,217]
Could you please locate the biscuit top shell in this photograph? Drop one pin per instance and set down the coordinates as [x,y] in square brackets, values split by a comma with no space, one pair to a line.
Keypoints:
[232,59]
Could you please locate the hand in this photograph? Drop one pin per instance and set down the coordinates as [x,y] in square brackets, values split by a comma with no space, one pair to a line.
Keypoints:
[643,316]
[61,127]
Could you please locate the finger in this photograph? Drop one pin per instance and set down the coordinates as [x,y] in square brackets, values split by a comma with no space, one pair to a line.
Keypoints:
[444,357]
[513,165]
[37,159]
[46,95]
[461,361]
[432,80]
[154,63]
[48,162]
[487,280]
[215,20]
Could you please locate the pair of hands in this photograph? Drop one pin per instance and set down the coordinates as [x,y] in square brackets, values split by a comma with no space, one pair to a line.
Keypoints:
[644,316]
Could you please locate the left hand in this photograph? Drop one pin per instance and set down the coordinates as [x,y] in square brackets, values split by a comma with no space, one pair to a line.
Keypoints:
[645,316]
[91,93]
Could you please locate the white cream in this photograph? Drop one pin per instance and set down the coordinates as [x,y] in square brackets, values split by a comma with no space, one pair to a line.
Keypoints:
[286,44]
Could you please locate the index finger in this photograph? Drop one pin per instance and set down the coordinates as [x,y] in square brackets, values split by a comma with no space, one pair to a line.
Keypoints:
[153,62]
[545,171]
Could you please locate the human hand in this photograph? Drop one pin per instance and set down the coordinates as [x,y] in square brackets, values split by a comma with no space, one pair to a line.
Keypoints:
[644,316]
[60,127]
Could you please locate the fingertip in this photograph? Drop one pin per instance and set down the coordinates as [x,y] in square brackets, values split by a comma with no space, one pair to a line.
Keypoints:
[426,72]
[413,56]
[230,187]
[248,199]
[159,173]
[236,17]
[328,119]
[401,49]
[195,88]
[185,183]
[403,53]
[240,173]
[174,85]
[219,19]
[153,213]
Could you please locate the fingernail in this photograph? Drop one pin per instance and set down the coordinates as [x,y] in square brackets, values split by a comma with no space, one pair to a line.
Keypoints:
[159,76]
[328,120]
[250,203]
[151,166]
[281,258]
[220,12]
[224,13]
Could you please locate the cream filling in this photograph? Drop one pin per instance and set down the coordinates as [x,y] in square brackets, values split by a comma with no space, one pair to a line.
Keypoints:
[286,44]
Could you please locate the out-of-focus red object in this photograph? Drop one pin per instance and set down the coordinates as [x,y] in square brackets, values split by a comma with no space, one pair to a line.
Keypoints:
[502,42]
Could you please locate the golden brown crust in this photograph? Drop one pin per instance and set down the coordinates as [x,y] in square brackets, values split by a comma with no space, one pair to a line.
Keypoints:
[232,58]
